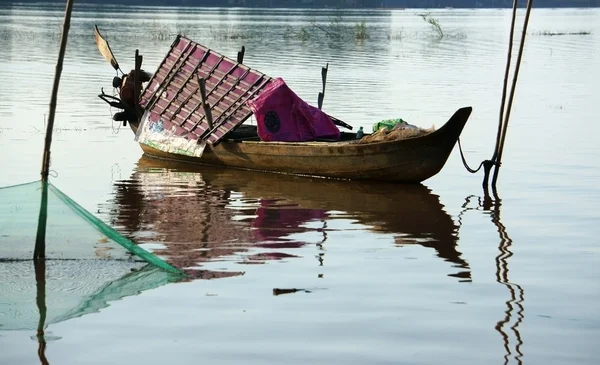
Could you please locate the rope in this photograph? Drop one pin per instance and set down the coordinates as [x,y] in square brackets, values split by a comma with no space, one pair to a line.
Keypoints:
[464,160]
[487,165]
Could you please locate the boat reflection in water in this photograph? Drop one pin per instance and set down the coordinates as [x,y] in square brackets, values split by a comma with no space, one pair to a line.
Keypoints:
[201,214]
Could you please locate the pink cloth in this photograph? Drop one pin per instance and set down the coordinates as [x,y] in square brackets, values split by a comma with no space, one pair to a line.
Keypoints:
[282,115]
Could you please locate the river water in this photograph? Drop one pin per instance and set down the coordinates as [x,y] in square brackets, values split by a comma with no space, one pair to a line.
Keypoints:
[425,274]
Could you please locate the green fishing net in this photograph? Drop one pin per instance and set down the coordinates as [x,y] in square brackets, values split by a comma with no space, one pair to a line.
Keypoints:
[88,264]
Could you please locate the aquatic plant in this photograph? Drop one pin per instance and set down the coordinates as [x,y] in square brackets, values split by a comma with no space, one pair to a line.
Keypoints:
[549,33]
[340,29]
[239,35]
[160,32]
[335,29]
[332,31]
[183,29]
[230,34]
[360,31]
[396,35]
[303,34]
[336,26]
[20,35]
[435,24]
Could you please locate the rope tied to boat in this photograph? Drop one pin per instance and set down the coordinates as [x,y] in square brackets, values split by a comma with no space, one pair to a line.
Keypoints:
[487,164]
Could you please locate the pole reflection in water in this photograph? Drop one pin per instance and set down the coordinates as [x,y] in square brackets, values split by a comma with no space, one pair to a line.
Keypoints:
[40,278]
[194,215]
[514,305]
[321,254]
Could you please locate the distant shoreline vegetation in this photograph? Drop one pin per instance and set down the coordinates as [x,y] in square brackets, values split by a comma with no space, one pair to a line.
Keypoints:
[337,28]
[340,4]
[551,33]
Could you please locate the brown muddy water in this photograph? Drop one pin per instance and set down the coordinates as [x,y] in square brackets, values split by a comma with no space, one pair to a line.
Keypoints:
[423,274]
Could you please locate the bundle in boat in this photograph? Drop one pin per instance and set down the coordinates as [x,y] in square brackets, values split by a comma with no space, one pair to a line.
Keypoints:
[397,133]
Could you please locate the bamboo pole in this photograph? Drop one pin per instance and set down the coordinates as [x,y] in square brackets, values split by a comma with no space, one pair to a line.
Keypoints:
[512,95]
[39,252]
[488,164]
[506,74]
[40,243]
[54,97]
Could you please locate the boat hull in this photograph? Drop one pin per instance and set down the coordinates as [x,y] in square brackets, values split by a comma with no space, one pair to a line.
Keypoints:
[408,160]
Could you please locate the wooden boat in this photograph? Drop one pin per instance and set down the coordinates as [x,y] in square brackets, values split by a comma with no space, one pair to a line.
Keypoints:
[215,121]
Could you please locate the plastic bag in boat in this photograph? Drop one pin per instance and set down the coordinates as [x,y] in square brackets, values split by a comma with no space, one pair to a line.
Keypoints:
[282,115]
[393,124]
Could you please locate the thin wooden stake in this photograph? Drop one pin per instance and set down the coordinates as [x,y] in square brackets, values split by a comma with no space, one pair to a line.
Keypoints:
[240,55]
[39,251]
[324,79]
[54,97]
[506,74]
[136,79]
[40,242]
[512,94]
[205,105]
[488,166]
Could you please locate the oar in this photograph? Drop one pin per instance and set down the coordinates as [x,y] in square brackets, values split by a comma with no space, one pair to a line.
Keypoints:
[105,50]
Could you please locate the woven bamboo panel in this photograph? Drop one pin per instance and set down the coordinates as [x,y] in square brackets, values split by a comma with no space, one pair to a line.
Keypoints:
[173,92]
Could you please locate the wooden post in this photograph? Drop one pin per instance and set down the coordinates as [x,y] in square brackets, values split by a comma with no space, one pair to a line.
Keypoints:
[136,79]
[205,105]
[240,55]
[39,252]
[324,79]
[500,149]
[54,96]
[40,243]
